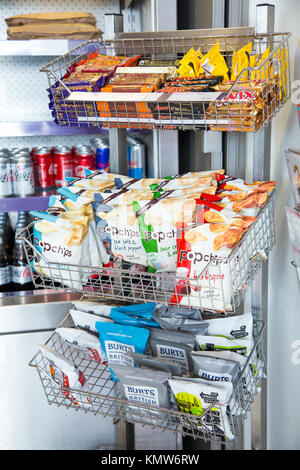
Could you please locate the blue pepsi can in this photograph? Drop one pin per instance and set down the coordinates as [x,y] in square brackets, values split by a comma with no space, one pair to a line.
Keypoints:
[136,158]
[101,152]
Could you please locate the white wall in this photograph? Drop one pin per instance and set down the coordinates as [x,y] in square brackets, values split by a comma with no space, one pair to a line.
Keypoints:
[284,289]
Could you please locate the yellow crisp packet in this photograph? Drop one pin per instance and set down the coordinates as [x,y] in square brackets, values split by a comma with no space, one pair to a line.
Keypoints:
[279,70]
[190,64]
[213,63]
[265,71]
[241,60]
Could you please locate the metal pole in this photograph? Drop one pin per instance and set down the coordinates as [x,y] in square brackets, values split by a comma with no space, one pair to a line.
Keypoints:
[165,143]
[259,291]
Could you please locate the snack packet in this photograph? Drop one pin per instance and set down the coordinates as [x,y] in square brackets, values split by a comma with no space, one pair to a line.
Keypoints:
[175,318]
[87,321]
[240,61]
[214,343]
[65,374]
[143,387]
[213,63]
[215,369]
[62,240]
[200,247]
[174,346]
[116,340]
[75,203]
[156,363]
[194,397]
[118,229]
[200,180]
[97,308]
[238,326]
[87,343]
[190,64]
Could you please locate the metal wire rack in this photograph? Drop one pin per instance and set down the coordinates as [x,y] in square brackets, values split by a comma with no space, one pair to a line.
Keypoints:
[220,287]
[243,105]
[105,398]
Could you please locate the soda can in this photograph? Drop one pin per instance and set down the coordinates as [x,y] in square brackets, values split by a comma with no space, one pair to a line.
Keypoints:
[135,158]
[6,188]
[43,168]
[63,165]
[22,174]
[84,159]
[101,151]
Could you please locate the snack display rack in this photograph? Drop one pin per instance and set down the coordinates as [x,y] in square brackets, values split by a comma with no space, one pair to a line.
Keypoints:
[135,286]
[230,111]
[104,394]
[242,107]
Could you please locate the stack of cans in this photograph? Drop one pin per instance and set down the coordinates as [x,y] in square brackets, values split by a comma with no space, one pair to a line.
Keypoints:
[16,173]
[100,149]
[83,157]
[136,158]
[43,169]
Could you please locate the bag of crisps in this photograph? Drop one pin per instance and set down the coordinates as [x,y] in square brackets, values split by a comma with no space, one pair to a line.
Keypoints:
[62,240]
[203,258]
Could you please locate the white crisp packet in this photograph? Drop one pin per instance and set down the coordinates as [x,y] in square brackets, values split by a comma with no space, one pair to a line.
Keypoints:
[66,374]
[61,242]
[87,343]
[87,320]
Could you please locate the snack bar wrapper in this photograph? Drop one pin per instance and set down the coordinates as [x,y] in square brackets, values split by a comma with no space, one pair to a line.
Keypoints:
[66,374]
[62,241]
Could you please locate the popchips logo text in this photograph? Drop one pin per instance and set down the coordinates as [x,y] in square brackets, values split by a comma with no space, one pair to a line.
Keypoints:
[48,247]
[159,236]
[196,257]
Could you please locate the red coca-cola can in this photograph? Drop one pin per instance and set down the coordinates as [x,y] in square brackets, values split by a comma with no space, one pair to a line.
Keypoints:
[83,159]
[63,165]
[43,168]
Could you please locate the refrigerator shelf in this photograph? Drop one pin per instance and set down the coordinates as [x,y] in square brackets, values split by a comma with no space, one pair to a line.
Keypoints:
[105,398]
[241,107]
[219,288]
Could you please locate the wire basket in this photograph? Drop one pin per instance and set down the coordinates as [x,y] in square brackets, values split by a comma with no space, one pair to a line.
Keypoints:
[236,109]
[220,287]
[105,399]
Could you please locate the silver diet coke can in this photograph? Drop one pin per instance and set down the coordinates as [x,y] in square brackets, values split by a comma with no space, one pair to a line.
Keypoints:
[5,176]
[22,174]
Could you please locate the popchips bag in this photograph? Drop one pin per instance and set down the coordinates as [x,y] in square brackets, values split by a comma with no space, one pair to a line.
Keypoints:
[62,239]
[66,374]
[203,254]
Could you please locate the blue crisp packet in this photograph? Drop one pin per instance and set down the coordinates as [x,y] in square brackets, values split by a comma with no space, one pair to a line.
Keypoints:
[125,319]
[138,310]
[116,340]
